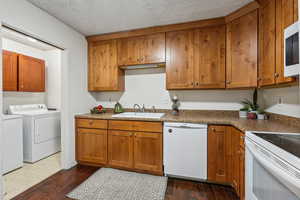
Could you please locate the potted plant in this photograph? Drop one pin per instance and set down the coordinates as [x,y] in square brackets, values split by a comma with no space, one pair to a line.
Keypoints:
[252,106]
[261,114]
[244,111]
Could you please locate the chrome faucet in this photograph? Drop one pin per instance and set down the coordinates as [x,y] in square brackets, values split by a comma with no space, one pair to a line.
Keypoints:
[138,108]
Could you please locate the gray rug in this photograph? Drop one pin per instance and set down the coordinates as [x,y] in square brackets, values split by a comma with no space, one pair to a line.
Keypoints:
[112,184]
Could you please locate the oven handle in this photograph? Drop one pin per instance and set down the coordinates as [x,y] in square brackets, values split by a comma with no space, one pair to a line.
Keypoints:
[279,172]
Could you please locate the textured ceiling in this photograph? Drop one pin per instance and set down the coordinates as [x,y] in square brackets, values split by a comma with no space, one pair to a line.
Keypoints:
[92,17]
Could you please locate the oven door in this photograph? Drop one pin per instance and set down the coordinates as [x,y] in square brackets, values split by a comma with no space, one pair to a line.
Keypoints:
[268,177]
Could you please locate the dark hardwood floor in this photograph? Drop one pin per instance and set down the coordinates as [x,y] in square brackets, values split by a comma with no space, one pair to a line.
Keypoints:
[61,183]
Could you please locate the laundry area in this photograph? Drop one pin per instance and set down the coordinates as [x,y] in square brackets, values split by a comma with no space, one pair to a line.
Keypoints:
[31,108]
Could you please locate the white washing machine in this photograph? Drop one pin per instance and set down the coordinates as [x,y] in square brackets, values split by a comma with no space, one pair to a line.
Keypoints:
[41,131]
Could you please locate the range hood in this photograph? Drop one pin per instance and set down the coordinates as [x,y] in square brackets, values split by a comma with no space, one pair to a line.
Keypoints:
[157,65]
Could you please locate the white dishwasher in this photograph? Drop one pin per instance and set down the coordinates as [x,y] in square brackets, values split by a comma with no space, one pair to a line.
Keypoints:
[185,150]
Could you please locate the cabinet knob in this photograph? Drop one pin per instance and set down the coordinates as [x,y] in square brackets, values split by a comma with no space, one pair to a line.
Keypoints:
[276,75]
[197,83]
[213,129]
[228,82]
[192,83]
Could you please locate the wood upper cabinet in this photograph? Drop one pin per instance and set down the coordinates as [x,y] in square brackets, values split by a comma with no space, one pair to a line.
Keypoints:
[274,17]
[91,145]
[179,65]
[31,74]
[120,149]
[267,40]
[219,154]
[10,71]
[242,50]
[286,14]
[148,151]
[104,73]
[146,49]
[209,57]
[196,58]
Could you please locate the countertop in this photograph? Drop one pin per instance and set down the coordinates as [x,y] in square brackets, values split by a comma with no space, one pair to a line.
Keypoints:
[215,118]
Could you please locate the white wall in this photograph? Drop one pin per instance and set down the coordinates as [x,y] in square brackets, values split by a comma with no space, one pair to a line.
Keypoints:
[147,86]
[22,15]
[53,78]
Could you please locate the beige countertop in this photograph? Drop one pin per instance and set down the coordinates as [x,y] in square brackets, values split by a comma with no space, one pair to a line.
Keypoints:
[216,117]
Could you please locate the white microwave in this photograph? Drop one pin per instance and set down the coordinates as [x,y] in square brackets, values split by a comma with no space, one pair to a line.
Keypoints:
[291,50]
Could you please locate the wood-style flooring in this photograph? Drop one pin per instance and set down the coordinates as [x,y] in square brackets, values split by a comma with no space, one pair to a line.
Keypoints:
[61,183]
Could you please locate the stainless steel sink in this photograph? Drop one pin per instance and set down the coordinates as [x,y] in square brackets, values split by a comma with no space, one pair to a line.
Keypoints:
[139,115]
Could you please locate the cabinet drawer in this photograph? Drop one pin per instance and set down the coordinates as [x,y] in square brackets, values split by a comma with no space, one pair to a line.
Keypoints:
[91,123]
[135,126]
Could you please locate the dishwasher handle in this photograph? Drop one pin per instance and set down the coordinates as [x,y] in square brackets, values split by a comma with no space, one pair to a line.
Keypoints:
[185,125]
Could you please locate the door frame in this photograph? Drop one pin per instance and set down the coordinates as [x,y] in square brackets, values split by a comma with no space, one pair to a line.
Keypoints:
[64,99]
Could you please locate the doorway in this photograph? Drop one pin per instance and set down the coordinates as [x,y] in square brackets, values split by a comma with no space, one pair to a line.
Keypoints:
[32,149]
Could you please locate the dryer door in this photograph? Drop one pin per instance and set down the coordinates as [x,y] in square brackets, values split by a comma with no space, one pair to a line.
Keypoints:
[46,128]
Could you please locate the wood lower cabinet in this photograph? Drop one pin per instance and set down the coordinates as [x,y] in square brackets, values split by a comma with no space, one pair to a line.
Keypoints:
[226,157]
[10,71]
[218,154]
[130,145]
[196,58]
[104,73]
[120,149]
[146,49]
[91,145]
[242,51]
[148,151]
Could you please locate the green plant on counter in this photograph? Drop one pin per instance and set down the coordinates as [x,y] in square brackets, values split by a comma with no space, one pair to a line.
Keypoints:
[251,105]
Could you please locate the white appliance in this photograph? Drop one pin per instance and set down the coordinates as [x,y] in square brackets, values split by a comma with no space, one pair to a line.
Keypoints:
[41,131]
[291,50]
[185,150]
[272,166]
[12,143]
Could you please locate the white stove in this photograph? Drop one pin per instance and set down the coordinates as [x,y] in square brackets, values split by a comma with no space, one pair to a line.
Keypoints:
[41,130]
[272,166]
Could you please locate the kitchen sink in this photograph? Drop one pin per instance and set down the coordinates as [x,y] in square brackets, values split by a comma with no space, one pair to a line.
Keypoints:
[139,115]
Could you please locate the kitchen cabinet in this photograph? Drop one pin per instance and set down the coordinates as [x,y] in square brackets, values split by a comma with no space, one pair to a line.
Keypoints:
[104,73]
[130,145]
[226,157]
[242,50]
[219,154]
[145,49]
[196,58]
[286,14]
[91,145]
[31,74]
[274,17]
[148,151]
[120,149]
[10,71]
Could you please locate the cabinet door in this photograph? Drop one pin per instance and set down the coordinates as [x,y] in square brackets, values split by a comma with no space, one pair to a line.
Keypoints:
[146,49]
[218,154]
[104,73]
[209,57]
[129,51]
[179,61]
[92,145]
[153,49]
[120,149]
[286,14]
[242,173]
[31,74]
[148,151]
[10,71]
[242,51]
[267,33]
